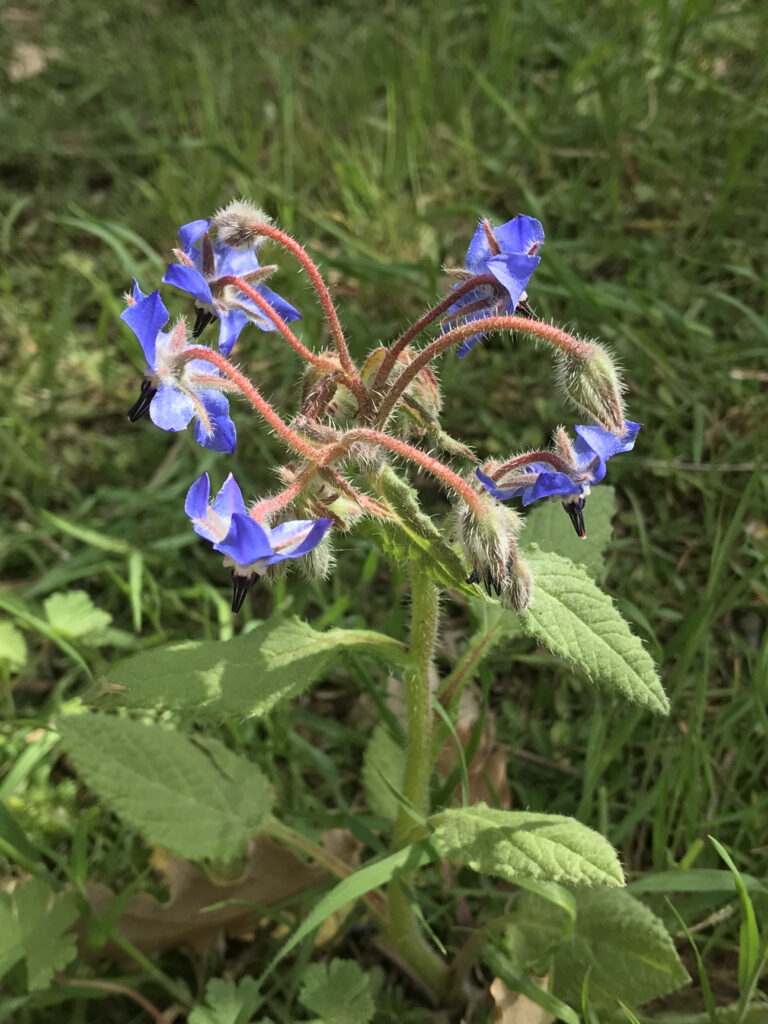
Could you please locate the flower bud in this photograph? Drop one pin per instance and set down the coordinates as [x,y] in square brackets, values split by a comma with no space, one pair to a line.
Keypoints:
[590,381]
[489,542]
[319,562]
[238,225]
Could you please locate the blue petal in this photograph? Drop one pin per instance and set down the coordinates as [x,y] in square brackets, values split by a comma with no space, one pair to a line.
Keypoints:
[229,500]
[189,280]
[301,535]
[231,324]
[196,504]
[146,319]
[550,485]
[519,235]
[478,251]
[171,409]
[594,439]
[279,304]
[513,272]
[137,292]
[223,434]
[246,542]
[501,493]
[232,262]
[189,233]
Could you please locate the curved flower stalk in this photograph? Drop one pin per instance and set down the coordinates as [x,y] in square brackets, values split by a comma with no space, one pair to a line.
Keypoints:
[567,473]
[176,390]
[509,253]
[203,271]
[248,547]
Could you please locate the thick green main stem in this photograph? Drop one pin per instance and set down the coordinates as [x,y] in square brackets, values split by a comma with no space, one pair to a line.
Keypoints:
[403,930]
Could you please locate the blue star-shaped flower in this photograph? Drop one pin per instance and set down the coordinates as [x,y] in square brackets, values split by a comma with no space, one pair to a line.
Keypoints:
[510,254]
[586,466]
[248,546]
[175,391]
[199,273]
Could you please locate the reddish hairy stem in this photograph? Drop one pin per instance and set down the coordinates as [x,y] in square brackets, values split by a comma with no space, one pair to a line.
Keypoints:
[355,384]
[407,451]
[431,315]
[277,320]
[547,332]
[250,392]
[286,496]
[525,460]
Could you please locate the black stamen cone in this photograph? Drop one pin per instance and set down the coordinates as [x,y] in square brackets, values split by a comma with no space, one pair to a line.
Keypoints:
[575,510]
[141,406]
[240,587]
[487,579]
[202,319]
[526,309]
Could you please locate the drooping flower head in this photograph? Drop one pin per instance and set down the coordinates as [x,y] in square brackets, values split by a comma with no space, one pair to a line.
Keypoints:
[249,547]
[200,272]
[176,391]
[568,473]
[510,254]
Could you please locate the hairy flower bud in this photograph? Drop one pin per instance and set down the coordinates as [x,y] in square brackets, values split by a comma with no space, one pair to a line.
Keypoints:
[590,381]
[238,225]
[318,563]
[491,549]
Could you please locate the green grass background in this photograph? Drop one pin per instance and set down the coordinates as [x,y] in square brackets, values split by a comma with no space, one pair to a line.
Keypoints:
[379,133]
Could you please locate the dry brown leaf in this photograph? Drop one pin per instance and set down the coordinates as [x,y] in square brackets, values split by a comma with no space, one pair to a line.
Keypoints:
[487,771]
[28,60]
[515,1008]
[271,875]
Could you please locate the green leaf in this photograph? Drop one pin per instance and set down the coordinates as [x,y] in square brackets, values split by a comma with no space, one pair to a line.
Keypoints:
[246,676]
[749,936]
[625,948]
[33,923]
[338,992]
[413,535]
[194,797]
[228,1002]
[547,525]
[73,614]
[525,844]
[383,771]
[350,889]
[695,880]
[574,619]
[13,646]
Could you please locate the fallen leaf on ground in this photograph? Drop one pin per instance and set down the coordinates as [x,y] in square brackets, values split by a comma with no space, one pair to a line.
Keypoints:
[487,771]
[515,1008]
[28,60]
[271,875]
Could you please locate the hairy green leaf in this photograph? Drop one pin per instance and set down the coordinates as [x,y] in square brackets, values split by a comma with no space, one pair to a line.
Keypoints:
[227,1002]
[246,676]
[194,797]
[73,614]
[413,535]
[525,844]
[547,525]
[338,992]
[574,619]
[33,928]
[383,770]
[625,948]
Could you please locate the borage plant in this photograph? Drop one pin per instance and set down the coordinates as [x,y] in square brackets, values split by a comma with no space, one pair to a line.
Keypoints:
[358,434]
